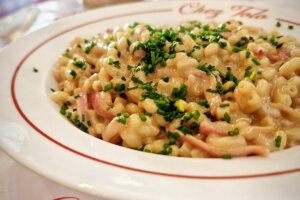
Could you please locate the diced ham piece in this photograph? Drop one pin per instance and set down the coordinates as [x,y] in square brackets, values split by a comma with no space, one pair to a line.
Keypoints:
[109,31]
[207,127]
[218,152]
[207,82]
[82,105]
[139,54]
[112,132]
[98,103]
[260,52]
[226,35]
[283,54]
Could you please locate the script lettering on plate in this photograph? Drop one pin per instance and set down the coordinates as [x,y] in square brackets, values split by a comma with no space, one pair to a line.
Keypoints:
[249,12]
[196,7]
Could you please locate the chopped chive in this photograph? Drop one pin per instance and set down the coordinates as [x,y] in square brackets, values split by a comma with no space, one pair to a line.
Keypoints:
[255,61]
[234,132]
[224,105]
[69,115]
[35,70]
[278,141]
[52,90]
[142,117]
[73,73]
[108,87]
[227,117]
[89,123]
[278,24]
[204,103]
[110,61]
[226,156]
[76,96]
[196,115]
[222,44]
[125,114]
[290,27]
[165,79]
[79,63]
[247,53]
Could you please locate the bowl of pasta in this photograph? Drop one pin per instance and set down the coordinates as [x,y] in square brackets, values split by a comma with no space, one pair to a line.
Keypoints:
[158,95]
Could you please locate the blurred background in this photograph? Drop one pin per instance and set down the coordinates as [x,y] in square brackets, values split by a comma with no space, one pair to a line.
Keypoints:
[20,17]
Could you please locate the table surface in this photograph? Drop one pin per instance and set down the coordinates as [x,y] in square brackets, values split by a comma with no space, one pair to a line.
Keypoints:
[16,181]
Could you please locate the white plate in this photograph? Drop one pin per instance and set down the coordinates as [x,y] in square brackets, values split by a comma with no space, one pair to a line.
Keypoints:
[34,133]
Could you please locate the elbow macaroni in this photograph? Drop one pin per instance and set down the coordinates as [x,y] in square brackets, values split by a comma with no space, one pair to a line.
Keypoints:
[162,82]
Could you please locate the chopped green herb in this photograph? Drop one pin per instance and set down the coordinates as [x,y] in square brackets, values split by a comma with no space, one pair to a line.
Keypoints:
[290,27]
[227,117]
[204,103]
[69,115]
[35,70]
[278,141]
[224,105]
[89,123]
[76,96]
[226,156]
[73,73]
[115,63]
[165,79]
[255,61]
[222,44]
[278,24]
[120,87]
[63,109]
[89,47]
[247,54]
[123,78]
[107,108]
[180,93]
[142,117]
[108,87]
[52,90]
[234,132]
[196,115]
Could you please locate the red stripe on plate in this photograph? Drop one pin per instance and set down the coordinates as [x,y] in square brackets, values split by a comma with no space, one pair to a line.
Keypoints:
[103,161]
[287,21]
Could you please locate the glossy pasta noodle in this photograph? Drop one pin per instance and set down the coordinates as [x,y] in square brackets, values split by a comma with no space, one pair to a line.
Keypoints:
[194,90]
